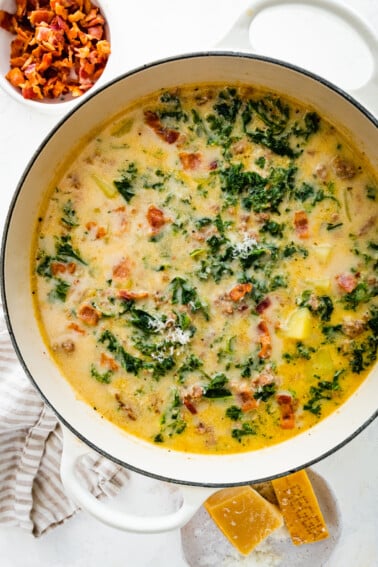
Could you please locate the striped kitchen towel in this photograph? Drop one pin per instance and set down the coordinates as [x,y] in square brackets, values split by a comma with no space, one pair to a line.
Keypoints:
[31,493]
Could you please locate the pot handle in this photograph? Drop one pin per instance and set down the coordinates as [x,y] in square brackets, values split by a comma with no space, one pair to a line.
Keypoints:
[238,37]
[192,497]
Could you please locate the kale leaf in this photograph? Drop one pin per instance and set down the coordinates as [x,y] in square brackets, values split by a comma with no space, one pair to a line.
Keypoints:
[222,121]
[183,293]
[320,305]
[125,185]
[216,387]
[144,321]
[69,218]
[272,111]
[257,192]
[59,291]
[311,125]
[129,362]
[234,412]
[322,391]
[191,363]
[265,392]
[65,251]
[246,429]
[104,378]
[361,294]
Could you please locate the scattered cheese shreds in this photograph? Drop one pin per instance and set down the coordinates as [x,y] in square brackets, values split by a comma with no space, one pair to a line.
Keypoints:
[244,248]
[300,508]
[244,517]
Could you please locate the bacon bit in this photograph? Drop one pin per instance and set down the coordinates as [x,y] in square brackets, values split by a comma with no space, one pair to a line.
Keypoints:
[57,268]
[7,21]
[194,394]
[16,77]
[301,224]
[248,401]
[190,161]
[75,327]
[249,405]
[346,282]
[265,340]
[58,49]
[40,15]
[285,401]
[213,165]
[71,267]
[61,268]
[101,232]
[96,231]
[264,304]
[153,121]
[108,361]
[239,291]
[122,270]
[127,294]
[156,218]
[189,404]
[89,315]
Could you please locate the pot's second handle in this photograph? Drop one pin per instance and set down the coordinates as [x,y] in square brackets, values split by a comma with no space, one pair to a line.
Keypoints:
[73,449]
[239,38]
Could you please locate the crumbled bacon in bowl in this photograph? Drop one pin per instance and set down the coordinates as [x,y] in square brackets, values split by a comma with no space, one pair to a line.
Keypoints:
[59,49]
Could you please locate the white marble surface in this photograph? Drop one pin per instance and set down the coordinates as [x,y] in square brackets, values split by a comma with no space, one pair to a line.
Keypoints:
[150,30]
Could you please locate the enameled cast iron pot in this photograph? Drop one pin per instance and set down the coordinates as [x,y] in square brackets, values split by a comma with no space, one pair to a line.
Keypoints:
[198,475]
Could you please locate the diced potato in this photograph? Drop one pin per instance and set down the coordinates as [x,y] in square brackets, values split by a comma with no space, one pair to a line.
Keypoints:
[299,324]
[322,252]
[323,364]
[322,285]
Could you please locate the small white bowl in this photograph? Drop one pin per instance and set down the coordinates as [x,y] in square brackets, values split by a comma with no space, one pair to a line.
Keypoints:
[57,106]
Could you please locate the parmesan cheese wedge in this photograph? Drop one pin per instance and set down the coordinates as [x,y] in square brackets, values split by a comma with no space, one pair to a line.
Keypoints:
[243,516]
[300,508]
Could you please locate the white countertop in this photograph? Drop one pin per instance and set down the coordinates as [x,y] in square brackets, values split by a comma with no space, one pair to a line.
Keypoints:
[152,30]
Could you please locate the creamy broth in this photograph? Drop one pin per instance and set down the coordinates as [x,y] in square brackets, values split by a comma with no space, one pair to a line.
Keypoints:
[205,269]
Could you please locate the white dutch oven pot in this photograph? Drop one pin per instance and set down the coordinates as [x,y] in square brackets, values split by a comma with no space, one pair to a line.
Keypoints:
[198,475]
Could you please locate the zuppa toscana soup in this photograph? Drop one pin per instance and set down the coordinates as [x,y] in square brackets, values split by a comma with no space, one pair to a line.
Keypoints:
[205,269]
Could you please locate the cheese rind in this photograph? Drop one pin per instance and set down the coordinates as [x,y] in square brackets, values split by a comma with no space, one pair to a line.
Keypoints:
[300,508]
[243,516]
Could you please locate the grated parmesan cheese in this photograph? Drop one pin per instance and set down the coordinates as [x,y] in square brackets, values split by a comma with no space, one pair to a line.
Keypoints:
[244,248]
[177,335]
[157,325]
